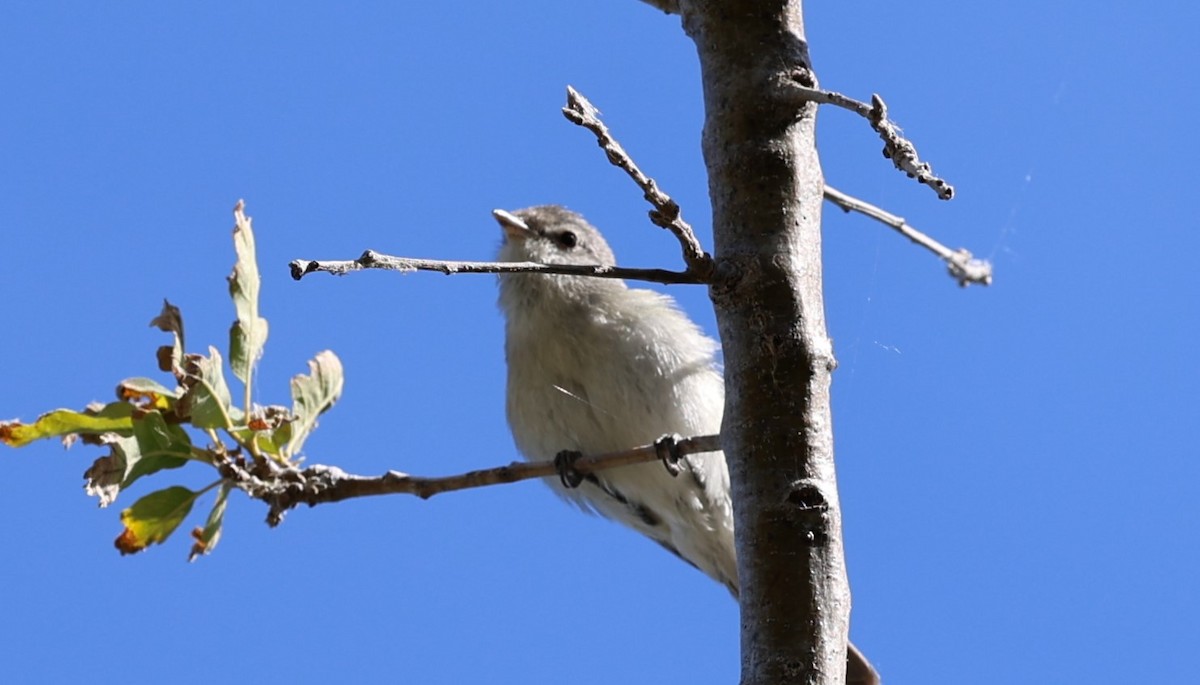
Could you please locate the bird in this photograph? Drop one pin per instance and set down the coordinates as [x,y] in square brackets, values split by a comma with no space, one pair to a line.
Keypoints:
[597,366]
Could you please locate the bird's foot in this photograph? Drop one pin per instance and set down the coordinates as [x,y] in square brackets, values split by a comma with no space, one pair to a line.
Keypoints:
[667,449]
[564,463]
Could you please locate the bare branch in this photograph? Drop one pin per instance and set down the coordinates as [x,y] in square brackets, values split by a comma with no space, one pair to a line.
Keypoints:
[962,265]
[374,260]
[895,146]
[284,488]
[666,213]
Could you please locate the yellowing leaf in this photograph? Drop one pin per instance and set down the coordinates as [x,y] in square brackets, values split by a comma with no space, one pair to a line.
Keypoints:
[151,393]
[113,417]
[153,518]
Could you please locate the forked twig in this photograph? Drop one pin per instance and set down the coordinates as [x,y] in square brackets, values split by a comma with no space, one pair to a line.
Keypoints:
[666,213]
[895,146]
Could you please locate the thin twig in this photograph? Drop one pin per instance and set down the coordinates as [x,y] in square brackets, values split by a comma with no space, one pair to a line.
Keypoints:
[374,260]
[285,488]
[895,146]
[963,266]
[666,213]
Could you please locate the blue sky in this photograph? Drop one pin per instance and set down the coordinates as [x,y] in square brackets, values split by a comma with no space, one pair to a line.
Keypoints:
[1018,465]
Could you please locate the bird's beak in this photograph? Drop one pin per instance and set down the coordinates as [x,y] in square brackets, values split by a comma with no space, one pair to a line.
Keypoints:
[514,228]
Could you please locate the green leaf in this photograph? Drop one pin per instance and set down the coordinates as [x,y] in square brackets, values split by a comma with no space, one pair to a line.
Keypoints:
[249,332]
[269,429]
[206,538]
[274,442]
[160,445]
[115,416]
[170,320]
[155,445]
[153,518]
[206,402]
[312,395]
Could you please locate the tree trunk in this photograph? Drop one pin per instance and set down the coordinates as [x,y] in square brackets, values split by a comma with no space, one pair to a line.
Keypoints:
[766,187]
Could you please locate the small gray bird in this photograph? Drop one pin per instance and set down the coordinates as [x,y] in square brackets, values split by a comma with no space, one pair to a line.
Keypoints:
[595,366]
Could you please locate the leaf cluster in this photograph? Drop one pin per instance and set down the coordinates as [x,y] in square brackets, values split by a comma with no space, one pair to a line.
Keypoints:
[151,427]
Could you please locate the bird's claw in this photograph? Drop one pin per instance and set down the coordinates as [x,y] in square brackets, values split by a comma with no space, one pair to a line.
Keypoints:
[564,463]
[667,449]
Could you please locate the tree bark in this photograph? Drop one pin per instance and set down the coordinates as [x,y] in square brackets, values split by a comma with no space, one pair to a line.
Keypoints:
[766,186]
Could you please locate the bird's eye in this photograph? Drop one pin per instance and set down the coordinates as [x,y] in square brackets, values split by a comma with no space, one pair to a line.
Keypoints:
[567,239]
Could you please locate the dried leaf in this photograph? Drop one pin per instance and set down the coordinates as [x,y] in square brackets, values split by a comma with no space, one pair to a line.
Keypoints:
[170,320]
[104,478]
